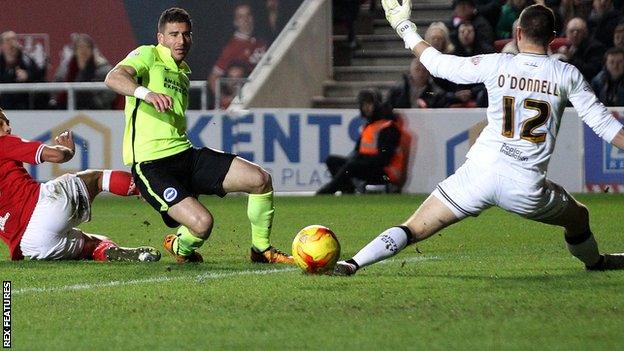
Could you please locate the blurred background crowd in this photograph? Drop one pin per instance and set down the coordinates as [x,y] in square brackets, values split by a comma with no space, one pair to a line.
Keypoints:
[590,36]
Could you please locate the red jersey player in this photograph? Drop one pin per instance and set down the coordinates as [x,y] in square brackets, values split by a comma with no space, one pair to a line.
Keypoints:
[37,220]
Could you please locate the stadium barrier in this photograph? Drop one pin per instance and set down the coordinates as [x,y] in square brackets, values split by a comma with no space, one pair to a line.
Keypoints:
[293,143]
[72,87]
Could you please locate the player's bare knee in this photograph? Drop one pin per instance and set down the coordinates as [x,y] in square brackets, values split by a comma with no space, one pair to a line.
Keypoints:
[261,181]
[201,225]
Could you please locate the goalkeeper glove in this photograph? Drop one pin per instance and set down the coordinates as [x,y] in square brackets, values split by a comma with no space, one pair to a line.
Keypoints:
[399,18]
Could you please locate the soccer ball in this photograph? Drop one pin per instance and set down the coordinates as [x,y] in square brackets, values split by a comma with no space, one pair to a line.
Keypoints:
[316,249]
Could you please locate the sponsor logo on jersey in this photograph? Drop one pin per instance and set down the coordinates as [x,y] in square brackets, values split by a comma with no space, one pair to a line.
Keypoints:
[170,194]
[475,60]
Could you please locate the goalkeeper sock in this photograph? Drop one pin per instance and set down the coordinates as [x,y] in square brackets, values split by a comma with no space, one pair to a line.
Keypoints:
[260,212]
[119,183]
[186,243]
[387,244]
[584,247]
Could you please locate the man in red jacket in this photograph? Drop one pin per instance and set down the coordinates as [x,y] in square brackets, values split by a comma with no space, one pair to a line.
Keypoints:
[37,220]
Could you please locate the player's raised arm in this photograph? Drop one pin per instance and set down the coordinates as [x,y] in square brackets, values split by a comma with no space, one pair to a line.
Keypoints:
[462,70]
[62,151]
[121,79]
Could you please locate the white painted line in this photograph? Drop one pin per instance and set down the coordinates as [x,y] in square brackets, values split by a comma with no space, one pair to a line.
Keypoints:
[199,278]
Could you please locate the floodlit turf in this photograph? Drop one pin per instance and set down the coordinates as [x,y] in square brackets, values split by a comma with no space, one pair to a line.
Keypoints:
[492,282]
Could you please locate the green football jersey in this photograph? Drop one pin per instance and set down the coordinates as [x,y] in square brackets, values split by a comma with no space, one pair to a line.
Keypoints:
[149,134]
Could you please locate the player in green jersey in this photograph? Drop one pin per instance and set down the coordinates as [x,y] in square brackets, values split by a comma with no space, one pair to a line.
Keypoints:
[169,172]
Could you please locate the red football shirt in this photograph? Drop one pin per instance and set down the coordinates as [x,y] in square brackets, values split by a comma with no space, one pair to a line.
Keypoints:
[19,192]
[240,48]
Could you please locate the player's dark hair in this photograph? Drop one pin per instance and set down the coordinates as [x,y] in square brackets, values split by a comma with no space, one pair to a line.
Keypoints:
[174,15]
[538,24]
[3,116]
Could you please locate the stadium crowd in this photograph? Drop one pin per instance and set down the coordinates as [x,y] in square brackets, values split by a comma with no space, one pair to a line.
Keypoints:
[254,29]
[589,35]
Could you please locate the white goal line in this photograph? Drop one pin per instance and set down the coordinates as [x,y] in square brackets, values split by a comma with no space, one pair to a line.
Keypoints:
[199,278]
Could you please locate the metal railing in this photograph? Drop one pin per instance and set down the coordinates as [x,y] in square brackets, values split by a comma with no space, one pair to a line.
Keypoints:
[72,87]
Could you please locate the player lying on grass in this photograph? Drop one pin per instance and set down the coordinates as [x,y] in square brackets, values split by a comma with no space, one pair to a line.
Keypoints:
[169,171]
[506,167]
[37,220]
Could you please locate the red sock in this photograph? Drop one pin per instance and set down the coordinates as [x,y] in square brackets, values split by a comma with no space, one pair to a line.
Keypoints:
[119,183]
[99,254]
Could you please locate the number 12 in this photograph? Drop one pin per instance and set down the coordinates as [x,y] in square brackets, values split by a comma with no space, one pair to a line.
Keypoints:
[528,126]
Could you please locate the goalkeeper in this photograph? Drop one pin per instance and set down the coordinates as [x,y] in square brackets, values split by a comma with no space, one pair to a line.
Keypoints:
[169,172]
[506,166]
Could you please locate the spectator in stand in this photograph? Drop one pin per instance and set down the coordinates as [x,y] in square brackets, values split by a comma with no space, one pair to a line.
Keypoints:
[83,63]
[582,52]
[509,14]
[569,9]
[618,36]
[243,46]
[417,90]
[377,157]
[468,43]
[490,9]
[608,84]
[472,95]
[438,36]
[230,87]
[466,11]
[602,21]
[16,67]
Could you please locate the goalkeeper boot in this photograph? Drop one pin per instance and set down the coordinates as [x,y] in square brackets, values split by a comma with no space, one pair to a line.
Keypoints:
[192,257]
[608,262]
[132,254]
[270,255]
[344,268]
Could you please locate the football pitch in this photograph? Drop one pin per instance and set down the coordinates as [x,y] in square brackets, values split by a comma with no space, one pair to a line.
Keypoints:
[493,282]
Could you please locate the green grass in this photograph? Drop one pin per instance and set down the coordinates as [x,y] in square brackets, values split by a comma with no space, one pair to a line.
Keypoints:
[492,282]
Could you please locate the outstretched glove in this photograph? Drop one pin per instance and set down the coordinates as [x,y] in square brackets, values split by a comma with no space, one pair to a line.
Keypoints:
[399,18]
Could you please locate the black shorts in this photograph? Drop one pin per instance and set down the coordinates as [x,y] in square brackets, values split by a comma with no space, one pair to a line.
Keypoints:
[167,181]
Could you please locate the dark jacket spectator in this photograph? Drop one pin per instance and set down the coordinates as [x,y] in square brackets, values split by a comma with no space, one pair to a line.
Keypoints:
[361,165]
[465,10]
[84,63]
[490,10]
[609,83]
[582,51]
[417,90]
[602,21]
[16,67]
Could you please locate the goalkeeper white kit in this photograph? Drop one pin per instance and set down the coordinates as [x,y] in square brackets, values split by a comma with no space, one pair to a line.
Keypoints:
[527,95]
